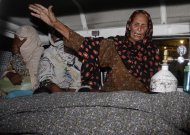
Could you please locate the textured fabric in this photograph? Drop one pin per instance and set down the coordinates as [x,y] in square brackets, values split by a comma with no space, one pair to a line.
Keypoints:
[90,69]
[18,65]
[31,51]
[5,57]
[60,67]
[142,60]
[110,113]
[119,78]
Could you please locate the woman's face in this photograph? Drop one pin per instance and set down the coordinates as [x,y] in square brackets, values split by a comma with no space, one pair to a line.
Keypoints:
[138,28]
[17,43]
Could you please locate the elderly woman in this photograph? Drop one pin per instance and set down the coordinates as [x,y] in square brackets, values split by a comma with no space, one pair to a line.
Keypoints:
[27,50]
[133,59]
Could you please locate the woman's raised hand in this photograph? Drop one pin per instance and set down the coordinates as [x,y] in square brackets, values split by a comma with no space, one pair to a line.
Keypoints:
[43,13]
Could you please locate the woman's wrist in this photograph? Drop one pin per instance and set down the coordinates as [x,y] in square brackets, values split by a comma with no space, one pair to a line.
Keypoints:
[55,23]
[62,28]
[9,74]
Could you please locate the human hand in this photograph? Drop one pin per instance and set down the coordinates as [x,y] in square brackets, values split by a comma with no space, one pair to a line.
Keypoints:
[17,43]
[43,13]
[54,88]
[15,78]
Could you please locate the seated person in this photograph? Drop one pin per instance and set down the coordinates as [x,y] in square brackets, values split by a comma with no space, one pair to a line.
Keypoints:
[132,58]
[23,68]
[12,83]
[4,60]
[58,71]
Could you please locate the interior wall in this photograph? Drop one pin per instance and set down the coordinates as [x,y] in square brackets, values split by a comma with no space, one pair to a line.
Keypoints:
[101,16]
[178,13]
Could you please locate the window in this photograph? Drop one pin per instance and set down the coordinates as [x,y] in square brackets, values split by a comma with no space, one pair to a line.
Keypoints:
[172,44]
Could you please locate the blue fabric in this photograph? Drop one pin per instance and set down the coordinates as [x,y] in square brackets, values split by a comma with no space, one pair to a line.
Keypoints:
[18,93]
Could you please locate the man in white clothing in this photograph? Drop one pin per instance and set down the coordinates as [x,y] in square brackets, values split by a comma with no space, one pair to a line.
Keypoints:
[58,71]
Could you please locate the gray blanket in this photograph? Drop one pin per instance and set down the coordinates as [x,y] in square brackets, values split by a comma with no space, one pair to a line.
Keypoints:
[113,113]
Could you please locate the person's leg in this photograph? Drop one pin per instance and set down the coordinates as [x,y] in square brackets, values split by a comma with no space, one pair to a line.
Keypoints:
[41,90]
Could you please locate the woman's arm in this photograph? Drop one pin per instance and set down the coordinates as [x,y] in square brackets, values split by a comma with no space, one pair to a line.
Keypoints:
[15,78]
[46,14]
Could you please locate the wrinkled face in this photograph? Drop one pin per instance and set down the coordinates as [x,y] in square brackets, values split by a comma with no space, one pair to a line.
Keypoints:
[17,43]
[138,28]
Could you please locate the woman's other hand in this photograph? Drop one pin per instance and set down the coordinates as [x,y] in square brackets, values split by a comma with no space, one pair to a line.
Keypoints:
[15,78]
[54,88]
[17,43]
[43,13]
